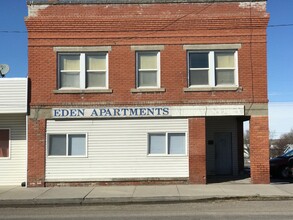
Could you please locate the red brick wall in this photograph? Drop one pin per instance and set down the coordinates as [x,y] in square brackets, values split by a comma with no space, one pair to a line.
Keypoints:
[172,25]
[197,150]
[36,152]
[259,150]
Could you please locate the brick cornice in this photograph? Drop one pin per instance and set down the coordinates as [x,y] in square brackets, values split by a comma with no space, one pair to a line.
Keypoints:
[40,2]
[150,24]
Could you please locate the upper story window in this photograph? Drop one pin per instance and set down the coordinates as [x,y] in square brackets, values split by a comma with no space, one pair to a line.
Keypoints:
[148,69]
[83,70]
[212,68]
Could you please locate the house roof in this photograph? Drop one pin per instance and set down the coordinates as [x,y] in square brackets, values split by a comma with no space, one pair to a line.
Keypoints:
[37,2]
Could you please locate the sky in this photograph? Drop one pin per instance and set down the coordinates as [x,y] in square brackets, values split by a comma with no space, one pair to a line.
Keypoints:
[13,51]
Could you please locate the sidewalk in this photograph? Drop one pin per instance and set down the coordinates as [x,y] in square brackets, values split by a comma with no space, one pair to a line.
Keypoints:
[17,196]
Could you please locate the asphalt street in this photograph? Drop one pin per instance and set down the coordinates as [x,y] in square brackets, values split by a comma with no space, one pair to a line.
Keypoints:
[232,209]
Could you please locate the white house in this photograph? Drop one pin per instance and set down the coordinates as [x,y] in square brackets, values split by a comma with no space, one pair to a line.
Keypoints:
[13,132]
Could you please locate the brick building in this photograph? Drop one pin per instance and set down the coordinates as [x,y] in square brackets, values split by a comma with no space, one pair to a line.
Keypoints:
[146,90]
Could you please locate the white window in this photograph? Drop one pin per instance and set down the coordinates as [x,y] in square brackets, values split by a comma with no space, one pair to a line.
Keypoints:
[167,144]
[83,70]
[67,145]
[4,143]
[212,68]
[148,69]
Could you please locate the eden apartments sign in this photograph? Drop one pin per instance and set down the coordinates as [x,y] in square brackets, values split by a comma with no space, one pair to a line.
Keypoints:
[148,112]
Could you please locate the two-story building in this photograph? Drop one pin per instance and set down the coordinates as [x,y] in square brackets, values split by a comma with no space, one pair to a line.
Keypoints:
[146,90]
[13,132]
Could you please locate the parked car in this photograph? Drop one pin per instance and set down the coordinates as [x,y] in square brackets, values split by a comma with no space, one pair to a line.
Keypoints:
[279,166]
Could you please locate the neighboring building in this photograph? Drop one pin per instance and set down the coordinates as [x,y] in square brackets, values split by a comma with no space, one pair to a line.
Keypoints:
[146,90]
[13,136]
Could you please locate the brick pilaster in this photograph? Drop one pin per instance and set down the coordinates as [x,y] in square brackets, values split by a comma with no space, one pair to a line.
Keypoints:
[36,152]
[259,150]
[197,150]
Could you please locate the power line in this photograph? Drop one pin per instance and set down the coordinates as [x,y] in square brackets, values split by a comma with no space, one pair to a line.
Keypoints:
[279,25]
[25,32]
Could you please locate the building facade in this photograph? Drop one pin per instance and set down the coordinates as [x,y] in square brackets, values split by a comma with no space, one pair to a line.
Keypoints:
[146,90]
[13,133]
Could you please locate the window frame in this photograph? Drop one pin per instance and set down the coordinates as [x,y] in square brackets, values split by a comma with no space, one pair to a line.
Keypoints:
[167,150]
[67,145]
[83,70]
[158,70]
[212,69]
[9,144]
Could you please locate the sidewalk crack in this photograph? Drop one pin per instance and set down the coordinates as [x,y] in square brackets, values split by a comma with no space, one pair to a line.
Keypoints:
[178,192]
[88,193]
[133,192]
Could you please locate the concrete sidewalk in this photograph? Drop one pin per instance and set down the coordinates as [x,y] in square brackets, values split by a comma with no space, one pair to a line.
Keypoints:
[17,196]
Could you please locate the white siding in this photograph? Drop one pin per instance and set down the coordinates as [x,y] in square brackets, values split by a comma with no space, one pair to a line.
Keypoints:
[13,95]
[221,124]
[117,149]
[13,169]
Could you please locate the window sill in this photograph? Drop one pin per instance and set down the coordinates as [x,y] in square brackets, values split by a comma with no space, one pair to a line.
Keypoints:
[148,90]
[208,89]
[78,91]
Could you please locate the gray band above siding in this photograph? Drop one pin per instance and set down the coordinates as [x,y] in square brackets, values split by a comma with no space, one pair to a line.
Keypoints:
[36,2]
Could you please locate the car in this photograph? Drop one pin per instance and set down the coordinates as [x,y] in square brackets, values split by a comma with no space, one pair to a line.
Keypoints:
[281,166]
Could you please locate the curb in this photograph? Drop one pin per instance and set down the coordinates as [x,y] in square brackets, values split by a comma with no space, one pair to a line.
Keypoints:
[131,200]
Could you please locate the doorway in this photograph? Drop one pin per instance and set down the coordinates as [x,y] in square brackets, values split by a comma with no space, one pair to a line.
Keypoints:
[223,154]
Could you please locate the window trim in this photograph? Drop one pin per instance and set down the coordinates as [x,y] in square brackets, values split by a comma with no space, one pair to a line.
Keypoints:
[67,145]
[9,144]
[167,154]
[212,85]
[83,71]
[137,70]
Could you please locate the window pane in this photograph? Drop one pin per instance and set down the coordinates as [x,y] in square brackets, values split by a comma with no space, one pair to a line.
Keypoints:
[4,143]
[157,143]
[199,77]
[76,144]
[96,79]
[96,62]
[57,145]
[224,60]
[70,62]
[147,60]
[224,77]
[69,80]
[176,143]
[198,60]
[147,78]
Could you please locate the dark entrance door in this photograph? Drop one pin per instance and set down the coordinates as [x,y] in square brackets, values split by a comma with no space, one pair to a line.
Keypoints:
[223,143]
